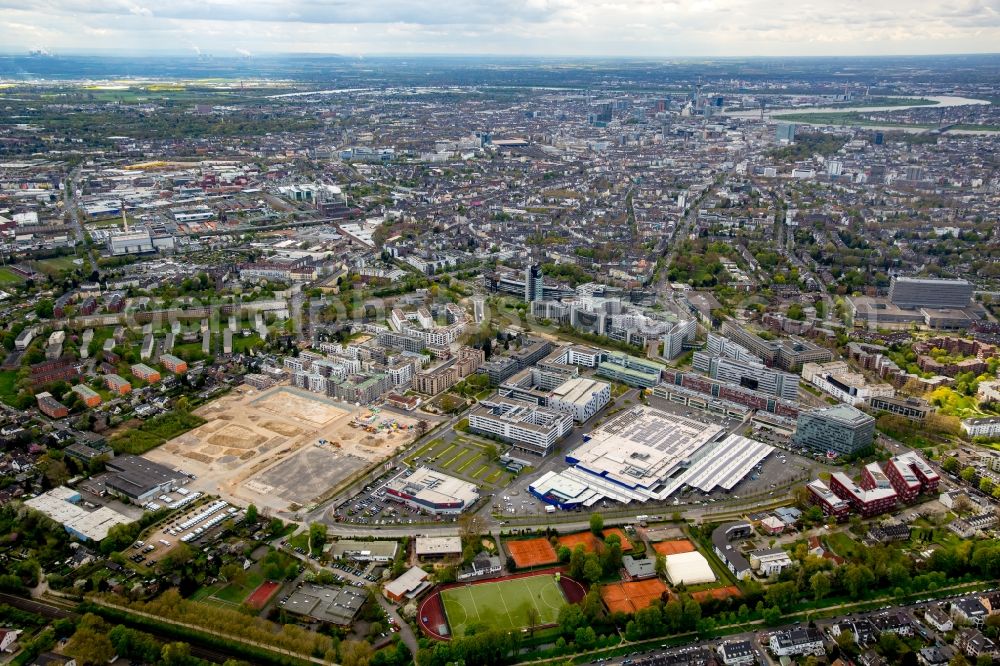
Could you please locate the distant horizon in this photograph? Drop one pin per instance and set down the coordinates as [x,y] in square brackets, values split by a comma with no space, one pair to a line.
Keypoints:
[125,53]
[535,28]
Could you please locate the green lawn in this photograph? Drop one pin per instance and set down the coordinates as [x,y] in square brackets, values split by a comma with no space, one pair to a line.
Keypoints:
[503,604]
[843,545]
[7,277]
[8,378]
[56,265]
[236,593]
[843,118]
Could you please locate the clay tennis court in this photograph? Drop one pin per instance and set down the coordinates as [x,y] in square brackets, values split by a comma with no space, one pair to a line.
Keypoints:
[589,541]
[717,593]
[531,552]
[259,597]
[674,547]
[630,597]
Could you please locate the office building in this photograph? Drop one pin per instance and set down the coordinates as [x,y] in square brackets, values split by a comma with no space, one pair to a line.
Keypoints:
[785,132]
[580,397]
[911,475]
[680,333]
[907,292]
[525,426]
[638,372]
[408,586]
[789,354]
[879,498]
[747,374]
[533,284]
[914,409]
[831,504]
[836,379]
[988,427]
[837,430]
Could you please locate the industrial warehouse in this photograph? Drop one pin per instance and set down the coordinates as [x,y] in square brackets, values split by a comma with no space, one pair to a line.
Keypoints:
[647,454]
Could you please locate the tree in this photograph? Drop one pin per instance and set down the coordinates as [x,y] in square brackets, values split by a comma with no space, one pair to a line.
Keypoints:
[968,474]
[782,595]
[772,616]
[577,560]
[890,646]
[845,641]
[691,614]
[90,646]
[951,465]
[661,565]
[820,584]
[251,514]
[596,524]
[275,527]
[571,618]
[585,637]
[612,557]
[44,309]
[471,527]
[317,536]
[858,579]
[648,621]
[355,653]
[592,606]
[533,619]
[592,570]
[176,654]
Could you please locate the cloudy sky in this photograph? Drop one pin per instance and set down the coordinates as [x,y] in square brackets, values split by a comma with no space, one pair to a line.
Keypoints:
[509,27]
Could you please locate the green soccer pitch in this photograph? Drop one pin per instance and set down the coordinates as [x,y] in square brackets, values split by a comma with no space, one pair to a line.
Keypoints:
[503,604]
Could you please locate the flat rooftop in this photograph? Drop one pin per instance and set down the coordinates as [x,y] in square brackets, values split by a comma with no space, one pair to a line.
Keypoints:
[578,391]
[445,545]
[642,447]
[337,605]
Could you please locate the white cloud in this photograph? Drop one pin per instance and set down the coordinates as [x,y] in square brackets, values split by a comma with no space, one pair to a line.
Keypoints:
[517,27]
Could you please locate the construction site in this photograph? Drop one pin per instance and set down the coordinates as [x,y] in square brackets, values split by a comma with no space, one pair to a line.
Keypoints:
[283,449]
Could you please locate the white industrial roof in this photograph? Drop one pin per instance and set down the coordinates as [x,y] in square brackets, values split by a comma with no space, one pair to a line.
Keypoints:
[643,446]
[689,568]
[93,525]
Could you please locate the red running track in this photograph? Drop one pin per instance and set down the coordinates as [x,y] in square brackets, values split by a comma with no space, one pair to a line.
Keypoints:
[264,591]
[432,608]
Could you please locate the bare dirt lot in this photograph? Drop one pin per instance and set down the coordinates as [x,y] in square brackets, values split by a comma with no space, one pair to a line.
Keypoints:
[283,448]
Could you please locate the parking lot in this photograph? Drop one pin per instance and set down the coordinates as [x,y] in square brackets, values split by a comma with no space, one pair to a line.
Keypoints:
[462,458]
[372,506]
[203,519]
